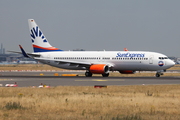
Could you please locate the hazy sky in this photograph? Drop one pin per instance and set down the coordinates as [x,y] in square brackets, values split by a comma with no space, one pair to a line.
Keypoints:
[138,25]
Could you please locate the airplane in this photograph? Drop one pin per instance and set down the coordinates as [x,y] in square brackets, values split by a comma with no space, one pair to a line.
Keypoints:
[94,62]
[26,62]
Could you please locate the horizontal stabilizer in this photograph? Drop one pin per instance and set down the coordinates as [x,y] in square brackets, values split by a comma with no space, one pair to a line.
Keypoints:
[23,52]
[28,55]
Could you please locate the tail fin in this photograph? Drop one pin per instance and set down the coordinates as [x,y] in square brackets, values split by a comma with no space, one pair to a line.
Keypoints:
[39,41]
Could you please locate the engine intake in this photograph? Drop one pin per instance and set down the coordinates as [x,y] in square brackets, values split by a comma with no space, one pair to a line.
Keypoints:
[99,69]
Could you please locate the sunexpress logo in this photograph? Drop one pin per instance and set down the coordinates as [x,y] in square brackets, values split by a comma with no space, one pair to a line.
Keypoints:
[37,33]
[131,55]
[160,63]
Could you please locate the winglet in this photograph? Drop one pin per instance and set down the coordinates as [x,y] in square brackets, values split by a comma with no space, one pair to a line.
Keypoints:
[125,49]
[23,52]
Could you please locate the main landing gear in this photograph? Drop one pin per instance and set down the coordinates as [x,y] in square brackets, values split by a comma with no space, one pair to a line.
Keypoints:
[89,74]
[105,75]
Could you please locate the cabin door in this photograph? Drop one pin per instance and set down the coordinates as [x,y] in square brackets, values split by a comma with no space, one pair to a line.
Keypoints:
[48,59]
[151,59]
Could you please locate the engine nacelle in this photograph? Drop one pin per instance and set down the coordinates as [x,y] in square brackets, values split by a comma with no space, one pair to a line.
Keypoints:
[99,69]
[127,72]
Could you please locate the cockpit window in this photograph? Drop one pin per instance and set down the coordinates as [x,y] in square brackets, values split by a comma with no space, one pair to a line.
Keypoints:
[162,58]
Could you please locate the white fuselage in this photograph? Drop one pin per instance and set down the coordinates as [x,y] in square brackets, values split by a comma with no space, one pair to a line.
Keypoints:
[116,60]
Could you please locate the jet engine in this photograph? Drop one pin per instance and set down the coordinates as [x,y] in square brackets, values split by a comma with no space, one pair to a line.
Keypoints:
[99,69]
[127,72]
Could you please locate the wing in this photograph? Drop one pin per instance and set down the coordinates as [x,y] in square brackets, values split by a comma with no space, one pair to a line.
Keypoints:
[70,63]
[86,65]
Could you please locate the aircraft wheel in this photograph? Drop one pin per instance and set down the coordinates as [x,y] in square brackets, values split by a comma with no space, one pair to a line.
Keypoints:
[157,74]
[88,74]
[105,75]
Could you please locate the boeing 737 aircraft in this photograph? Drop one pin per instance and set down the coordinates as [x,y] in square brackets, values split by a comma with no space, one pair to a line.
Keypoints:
[94,62]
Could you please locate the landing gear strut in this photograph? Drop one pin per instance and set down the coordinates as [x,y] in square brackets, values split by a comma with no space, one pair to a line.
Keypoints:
[88,74]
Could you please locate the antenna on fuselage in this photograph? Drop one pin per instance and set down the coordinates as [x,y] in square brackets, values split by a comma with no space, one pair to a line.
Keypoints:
[125,49]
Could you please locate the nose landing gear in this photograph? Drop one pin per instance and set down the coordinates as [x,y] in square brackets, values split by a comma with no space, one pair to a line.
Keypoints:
[159,73]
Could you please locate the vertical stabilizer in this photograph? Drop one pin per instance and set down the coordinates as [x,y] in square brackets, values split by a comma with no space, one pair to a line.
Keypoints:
[39,41]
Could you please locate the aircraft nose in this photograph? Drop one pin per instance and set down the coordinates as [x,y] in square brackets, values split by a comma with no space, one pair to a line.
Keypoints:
[171,63]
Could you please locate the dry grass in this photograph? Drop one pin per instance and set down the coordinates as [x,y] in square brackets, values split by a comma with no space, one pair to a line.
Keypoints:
[176,67]
[154,102]
[28,67]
